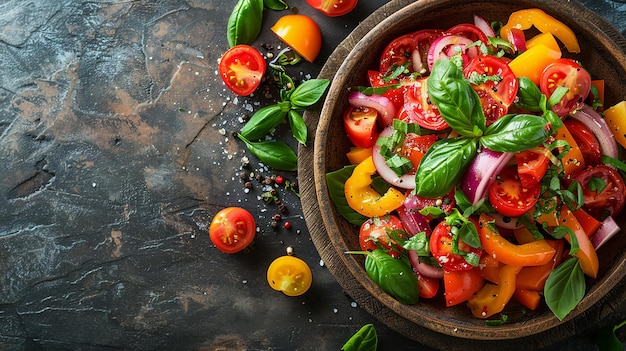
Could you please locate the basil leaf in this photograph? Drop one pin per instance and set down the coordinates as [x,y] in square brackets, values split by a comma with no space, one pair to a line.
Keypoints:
[309,92]
[394,275]
[455,98]
[529,95]
[513,133]
[565,287]
[607,340]
[275,154]
[276,5]
[263,121]
[335,181]
[244,23]
[298,127]
[365,339]
[443,164]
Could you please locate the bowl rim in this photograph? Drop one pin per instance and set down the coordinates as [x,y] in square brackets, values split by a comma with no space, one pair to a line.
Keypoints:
[339,262]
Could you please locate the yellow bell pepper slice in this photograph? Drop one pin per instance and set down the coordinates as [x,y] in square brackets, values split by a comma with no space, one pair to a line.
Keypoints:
[356,155]
[525,19]
[491,299]
[531,62]
[546,39]
[615,117]
[365,200]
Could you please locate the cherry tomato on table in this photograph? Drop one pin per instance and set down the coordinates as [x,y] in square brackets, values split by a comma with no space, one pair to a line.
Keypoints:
[496,96]
[441,249]
[360,125]
[333,8]
[373,234]
[301,33]
[241,69]
[232,229]
[290,275]
[509,197]
[566,73]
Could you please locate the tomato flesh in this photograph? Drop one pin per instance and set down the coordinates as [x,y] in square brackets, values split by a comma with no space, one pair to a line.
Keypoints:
[566,73]
[509,197]
[409,47]
[373,234]
[290,275]
[415,147]
[586,140]
[603,190]
[441,248]
[333,8]
[360,125]
[232,229]
[419,109]
[242,67]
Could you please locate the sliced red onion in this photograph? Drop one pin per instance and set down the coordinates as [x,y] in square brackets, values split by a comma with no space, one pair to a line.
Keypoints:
[424,268]
[481,172]
[447,46]
[418,65]
[517,39]
[592,119]
[406,181]
[380,103]
[606,231]
[484,26]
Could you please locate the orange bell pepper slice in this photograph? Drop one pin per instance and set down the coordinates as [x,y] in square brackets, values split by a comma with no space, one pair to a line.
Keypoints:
[525,19]
[365,200]
[573,160]
[357,155]
[492,298]
[529,298]
[534,278]
[586,252]
[534,253]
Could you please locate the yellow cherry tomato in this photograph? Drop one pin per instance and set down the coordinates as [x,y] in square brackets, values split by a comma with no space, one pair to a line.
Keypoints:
[301,33]
[290,275]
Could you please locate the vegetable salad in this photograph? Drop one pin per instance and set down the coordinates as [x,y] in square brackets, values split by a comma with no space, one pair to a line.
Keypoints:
[483,165]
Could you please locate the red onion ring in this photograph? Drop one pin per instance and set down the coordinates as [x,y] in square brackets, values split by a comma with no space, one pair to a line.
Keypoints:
[517,39]
[481,172]
[592,119]
[380,103]
[440,47]
[406,181]
[484,26]
[606,231]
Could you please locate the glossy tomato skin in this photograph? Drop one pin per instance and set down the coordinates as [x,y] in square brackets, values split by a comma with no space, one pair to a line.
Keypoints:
[567,73]
[586,140]
[395,95]
[460,286]
[428,287]
[301,33]
[289,274]
[495,96]
[333,8]
[608,200]
[532,166]
[242,67]
[232,229]
[509,197]
[373,232]
[441,249]
[360,125]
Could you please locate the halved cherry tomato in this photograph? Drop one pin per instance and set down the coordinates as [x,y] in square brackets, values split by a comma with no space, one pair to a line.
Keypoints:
[374,234]
[509,197]
[241,69]
[586,140]
[420,109]
[460,286]
[441,249]
[395,95]
[532,165]
[469,31]
[566,73]
[603,190]
[232,229]
[409,47]
[360,125]
[428,287]
[333,8]
[290,275]
[301,33]
[496,96]
[415,146]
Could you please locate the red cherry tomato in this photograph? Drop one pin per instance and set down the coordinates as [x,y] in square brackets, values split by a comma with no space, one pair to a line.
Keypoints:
[420,109]
[460,286]
[441,249]
[586,140]
[603,190]
[469,31]
[373,234]
[395,95]
[496,96]
[415,146]
[532,166]
[428,287]
[232,229]
[567,73]
[509,197]
[360,125]
[241,69]
[333,8]
[409,47]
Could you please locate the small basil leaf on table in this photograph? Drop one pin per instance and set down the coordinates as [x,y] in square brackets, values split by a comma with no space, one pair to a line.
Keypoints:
[263,121]
[443,164]
[276,5]
[275,154]
[335,181]
[455,98]
[513,133]
[308,92]
[365,339]
[298,127]
[244,22]
[394,275]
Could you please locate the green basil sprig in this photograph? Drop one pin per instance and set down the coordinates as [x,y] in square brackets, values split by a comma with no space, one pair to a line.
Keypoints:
[264,120]
[276,154]
[244,22]
[276,5]
[565,287]
[365,339]
[459,105]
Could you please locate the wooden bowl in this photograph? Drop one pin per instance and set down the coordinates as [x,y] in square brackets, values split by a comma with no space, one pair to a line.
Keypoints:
[429,321]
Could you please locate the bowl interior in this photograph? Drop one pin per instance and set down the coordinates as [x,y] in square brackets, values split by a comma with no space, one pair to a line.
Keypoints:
[601,54]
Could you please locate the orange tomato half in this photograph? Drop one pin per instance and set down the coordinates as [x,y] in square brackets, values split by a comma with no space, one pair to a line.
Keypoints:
[301,33]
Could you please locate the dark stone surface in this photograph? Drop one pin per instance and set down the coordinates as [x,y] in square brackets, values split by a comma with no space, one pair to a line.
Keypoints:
[116,150]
